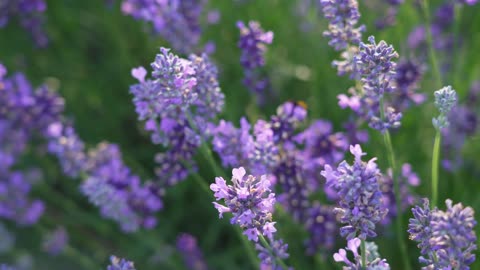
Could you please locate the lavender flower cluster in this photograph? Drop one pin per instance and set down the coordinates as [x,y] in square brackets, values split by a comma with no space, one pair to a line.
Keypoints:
[251,203]
[178,104]
[446,238]
[357,185]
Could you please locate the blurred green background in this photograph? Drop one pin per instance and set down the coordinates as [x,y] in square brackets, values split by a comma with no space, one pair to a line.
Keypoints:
[91,52]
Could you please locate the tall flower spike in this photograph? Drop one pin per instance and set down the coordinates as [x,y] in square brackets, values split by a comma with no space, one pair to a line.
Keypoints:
[343,16]
[357,185]
[250,200]
[191,253]
[178,104]
[375,65]
[251,203]
[253,41]
[445,100]
[446,239]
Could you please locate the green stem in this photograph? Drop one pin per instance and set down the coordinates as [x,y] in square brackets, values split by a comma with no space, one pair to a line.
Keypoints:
[279,261]
[435,161]
[396,189]
[431,49]
[364,254]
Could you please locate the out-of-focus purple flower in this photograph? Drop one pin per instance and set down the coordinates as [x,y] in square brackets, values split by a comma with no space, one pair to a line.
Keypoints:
[8,239]
[468,2]
[445,100]
[444,15]
[56,241]
[213,16]
[322,228]
[15,204]
[119,194]
[389,19]
[291,177]
[178,104]
[191,253]
[6,267]
[463,121]
[407,180]
[176,21]
[250,200]
[258,151]
[64,143]
[373,260]
[253,43]
[30,15]
[120,264]
[446,238]
[343,16]
[231,143]
[322,145]
[265,153]
[408,73]
[354,134]
[357,185]
[289,115]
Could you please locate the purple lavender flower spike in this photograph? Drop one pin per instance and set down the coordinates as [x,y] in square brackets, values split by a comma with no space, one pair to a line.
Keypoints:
[56,241]
[446,238]
[120,264]
[373,260]
[249,199]
[191,253]
[357,185]
[343,16]
[253,41]
[375,66]
[30,14]
[178,106]
[6,267]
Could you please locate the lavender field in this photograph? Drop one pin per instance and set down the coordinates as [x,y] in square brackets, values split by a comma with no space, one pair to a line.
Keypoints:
[239,134]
